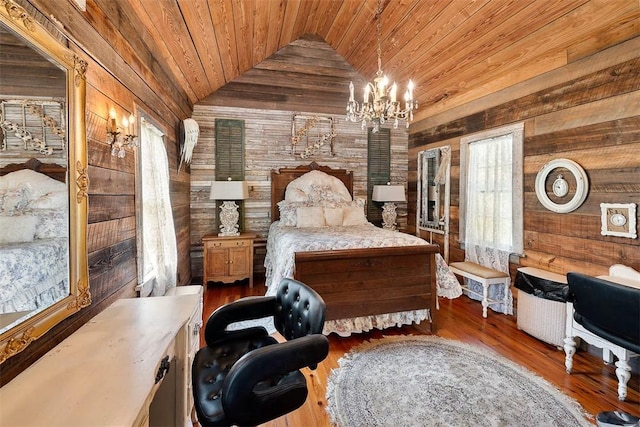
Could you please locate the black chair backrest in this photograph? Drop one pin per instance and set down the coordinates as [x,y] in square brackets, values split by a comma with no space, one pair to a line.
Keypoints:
[300,310]
[607,308]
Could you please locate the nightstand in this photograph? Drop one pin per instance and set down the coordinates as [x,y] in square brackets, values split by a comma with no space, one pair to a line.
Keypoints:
[227,258]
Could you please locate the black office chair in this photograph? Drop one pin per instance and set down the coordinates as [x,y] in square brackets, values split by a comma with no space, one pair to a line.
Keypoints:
[246,377]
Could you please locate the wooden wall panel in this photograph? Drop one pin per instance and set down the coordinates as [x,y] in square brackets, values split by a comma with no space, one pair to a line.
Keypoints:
[268,147]
[593,119]
[125,86]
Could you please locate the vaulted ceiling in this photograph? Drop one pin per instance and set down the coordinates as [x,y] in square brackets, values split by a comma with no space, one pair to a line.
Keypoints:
[454,50]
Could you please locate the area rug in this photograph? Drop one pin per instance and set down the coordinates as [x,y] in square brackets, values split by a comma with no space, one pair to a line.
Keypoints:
[431,381]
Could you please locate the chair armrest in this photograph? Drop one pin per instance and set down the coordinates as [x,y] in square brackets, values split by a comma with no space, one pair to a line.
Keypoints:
[269,365]
[247,308]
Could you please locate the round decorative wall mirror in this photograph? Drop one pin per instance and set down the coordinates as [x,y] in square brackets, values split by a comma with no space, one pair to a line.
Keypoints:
[562,185]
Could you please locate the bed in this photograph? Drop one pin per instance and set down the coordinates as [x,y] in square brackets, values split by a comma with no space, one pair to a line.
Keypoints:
[34,243]
[369,277]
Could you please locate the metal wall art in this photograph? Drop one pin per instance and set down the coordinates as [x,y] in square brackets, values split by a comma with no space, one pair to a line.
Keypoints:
[311,134]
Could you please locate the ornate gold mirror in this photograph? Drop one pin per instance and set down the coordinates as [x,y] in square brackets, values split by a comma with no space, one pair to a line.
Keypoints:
[43,181]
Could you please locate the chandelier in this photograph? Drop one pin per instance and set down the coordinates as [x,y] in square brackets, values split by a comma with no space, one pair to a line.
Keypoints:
[379,101]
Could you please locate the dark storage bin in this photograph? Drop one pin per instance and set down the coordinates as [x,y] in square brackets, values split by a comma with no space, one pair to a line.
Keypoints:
[542,287]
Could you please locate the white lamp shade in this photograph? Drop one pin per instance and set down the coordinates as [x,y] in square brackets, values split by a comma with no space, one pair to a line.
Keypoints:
[388,193]
[229,190]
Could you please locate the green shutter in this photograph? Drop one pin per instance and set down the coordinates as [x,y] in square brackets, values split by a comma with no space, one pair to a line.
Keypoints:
[229,153]
[378,169]
[229,149]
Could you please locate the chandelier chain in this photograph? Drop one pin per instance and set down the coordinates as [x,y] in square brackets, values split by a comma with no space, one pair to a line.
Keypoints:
[379,35]
[380,102]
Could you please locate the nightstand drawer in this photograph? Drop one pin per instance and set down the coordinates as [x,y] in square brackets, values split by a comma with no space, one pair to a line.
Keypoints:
[229,243]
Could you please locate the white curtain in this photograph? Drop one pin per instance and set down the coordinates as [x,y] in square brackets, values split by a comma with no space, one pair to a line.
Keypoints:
[159,239]
[489,211]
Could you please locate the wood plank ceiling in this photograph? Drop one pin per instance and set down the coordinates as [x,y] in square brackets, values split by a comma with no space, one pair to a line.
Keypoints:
[455,51]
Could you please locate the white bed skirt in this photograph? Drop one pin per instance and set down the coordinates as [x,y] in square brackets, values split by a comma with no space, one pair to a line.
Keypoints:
[346,327]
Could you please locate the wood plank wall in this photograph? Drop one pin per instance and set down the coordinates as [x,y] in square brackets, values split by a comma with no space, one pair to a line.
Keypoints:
[587,111]
[268,147]
[306,77]
[122,80]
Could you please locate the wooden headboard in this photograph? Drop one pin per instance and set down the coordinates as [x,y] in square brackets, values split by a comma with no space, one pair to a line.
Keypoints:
[55,171]
[283,176]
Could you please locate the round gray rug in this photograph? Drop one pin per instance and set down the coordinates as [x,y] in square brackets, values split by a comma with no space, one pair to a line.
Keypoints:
[431,381]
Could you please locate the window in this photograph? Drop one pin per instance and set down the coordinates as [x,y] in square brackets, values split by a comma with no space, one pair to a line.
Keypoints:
[378,169]
[229,152]
[491,189]
[157,250]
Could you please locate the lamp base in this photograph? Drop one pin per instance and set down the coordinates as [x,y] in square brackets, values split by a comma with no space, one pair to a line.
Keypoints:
[229,219]
[389,216]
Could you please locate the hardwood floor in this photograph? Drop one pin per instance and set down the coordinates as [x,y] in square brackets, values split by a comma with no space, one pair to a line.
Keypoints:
[592,383]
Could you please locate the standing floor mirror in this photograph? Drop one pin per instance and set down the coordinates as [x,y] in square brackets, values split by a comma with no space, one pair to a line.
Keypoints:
[434,175]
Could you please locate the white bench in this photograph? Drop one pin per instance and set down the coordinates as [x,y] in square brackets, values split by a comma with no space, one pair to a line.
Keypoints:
[486,276]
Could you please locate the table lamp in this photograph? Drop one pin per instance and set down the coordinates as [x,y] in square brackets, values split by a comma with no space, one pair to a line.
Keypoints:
[229,191]
[388,194]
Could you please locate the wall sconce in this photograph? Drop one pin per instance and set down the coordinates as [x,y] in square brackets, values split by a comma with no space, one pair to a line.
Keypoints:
[121,138]
[228,191]
[388,194]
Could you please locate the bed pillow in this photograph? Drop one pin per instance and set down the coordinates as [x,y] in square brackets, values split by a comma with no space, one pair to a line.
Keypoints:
[325,195]
[53,200]
[39,184]
[288,212]
[15,199]
[295,195]
[17,229]
[51,223]
[333,216]
[353,215]
[310,216]
[302,185]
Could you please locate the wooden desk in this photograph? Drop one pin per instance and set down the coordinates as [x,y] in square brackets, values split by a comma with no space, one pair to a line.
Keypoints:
[104,374]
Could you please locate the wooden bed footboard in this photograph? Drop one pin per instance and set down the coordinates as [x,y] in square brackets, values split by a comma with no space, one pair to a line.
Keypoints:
[362,282]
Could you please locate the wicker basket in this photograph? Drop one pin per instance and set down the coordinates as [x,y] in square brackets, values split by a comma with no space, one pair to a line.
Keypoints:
[542,318]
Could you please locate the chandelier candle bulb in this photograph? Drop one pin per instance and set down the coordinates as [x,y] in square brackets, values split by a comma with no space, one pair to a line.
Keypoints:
[112,120]
[381,88]
[351,98]
[132,125]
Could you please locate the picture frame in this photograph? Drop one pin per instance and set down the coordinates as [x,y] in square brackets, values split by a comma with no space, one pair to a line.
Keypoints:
[618,219]
[310,135]
[560,187]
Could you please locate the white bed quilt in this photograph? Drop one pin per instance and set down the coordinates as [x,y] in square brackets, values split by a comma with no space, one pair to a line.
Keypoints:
[283,242]
[33,274]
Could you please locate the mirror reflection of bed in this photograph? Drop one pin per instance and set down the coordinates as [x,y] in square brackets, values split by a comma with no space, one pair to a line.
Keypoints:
[34,239]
